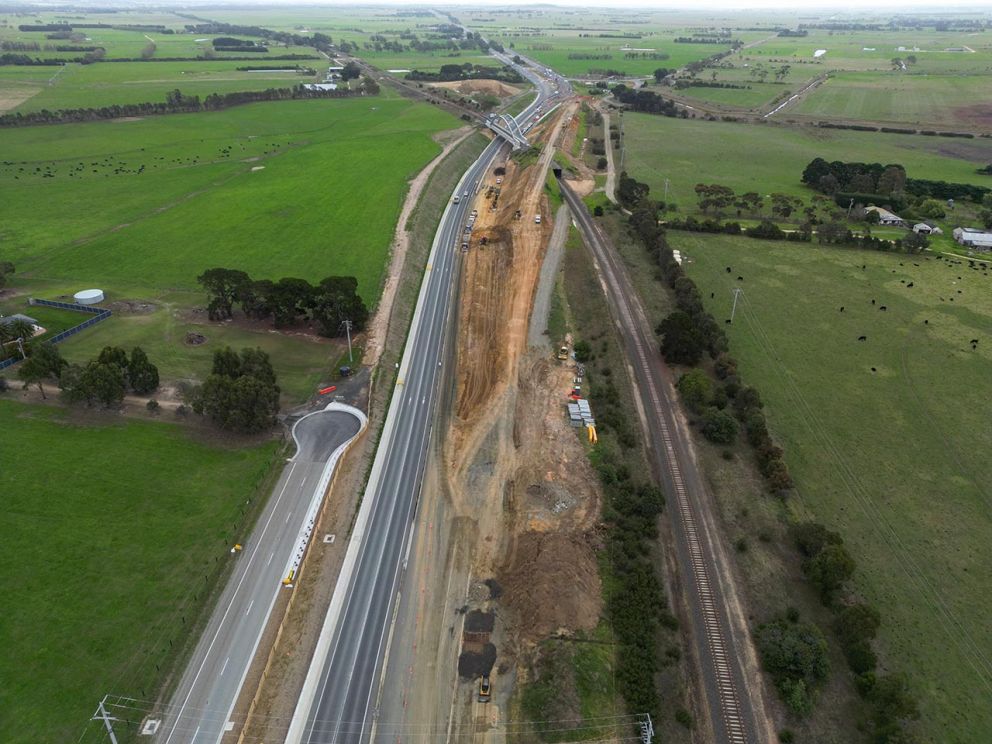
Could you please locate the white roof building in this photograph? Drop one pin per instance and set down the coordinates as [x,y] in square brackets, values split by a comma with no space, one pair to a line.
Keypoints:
[980,240]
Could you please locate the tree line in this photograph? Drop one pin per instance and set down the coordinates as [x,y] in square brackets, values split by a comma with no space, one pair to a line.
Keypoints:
[793,652]
[287,301]
[240,394]
[105,379]
[882,182]
[646,101]
[451,72]
[176,103]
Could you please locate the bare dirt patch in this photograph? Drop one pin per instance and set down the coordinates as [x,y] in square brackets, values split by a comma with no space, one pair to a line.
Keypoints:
[11,98]
[488,87]
[975,115]
[133,307]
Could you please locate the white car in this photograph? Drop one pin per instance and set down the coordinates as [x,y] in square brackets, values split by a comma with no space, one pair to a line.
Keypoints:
[537,219]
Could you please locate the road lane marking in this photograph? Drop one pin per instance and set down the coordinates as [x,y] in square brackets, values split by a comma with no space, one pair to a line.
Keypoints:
[273,555]
[250,605]
[225,666]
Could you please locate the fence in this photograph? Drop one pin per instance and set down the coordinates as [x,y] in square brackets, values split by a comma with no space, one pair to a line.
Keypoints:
[98,313]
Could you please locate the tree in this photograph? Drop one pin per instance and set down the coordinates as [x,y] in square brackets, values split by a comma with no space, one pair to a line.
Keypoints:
[336,300]
[141,373]
[19,329]
[681,343]
[795,655]
[719,426]
[223,286]
[696,389]
[113,355]
[893,704]
[104,383]
[602,164]
[290,298]
[227,363]
[661,73]
[892,180]
[829,569]
[856,622]
[631,192]
[241,394]
[812,537]
[44,363]
[915,242]
[872,217]
[834,231]
[351,71]
[71,384]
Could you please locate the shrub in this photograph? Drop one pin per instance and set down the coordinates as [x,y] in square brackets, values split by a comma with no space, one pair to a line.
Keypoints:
[152,406]
[684,717]
[583,351]
[695,388]
[719,426]
[795,655]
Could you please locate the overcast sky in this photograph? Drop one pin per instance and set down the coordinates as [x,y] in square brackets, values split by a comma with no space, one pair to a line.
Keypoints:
[793,5]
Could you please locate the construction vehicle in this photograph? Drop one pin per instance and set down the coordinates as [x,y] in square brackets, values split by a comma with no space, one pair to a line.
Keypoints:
[485,689]
[562,353]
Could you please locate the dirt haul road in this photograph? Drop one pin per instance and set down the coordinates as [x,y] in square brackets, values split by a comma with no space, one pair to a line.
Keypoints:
[506,520]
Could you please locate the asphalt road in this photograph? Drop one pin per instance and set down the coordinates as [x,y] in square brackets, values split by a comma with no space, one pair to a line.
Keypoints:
[209,688]
[339,699]
[719,634]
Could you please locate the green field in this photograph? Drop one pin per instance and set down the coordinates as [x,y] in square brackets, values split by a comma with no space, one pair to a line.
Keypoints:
[89,86]
[920,99]
[894,459]
[292,188]
[769,158]
[105,551]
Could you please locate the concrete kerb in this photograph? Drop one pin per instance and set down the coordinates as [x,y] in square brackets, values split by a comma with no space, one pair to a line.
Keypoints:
[330,472]
[292,571]
[303,708]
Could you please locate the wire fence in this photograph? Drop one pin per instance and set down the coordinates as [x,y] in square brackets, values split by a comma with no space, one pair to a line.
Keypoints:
[98,314]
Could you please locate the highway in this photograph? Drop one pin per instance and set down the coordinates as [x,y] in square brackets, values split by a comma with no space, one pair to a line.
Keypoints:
[720,634]
[339,698]
[205,697]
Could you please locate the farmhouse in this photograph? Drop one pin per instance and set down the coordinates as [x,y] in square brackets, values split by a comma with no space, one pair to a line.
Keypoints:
[972,238]
[321,86]
[885,217]
[922,228]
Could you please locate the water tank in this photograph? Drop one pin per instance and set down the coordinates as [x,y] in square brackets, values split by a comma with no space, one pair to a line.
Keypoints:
[88,297]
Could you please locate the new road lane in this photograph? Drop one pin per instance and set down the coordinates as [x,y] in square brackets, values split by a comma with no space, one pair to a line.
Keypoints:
[203,702]
[338,700]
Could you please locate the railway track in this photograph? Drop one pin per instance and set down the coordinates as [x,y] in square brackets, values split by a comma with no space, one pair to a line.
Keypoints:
[733,709]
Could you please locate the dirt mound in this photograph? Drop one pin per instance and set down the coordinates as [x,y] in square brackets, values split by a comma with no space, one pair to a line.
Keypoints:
[478,621]
[133,307]
[472,665]
[551,581]
[195,339]
[488,87]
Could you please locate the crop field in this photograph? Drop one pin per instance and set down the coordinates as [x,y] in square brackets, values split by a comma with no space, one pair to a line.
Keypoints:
[85,86]
[768,158]
[886,437]
[292,188]
[105,552]
[921,99]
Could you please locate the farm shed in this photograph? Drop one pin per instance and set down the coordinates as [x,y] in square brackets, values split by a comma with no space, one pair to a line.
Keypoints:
[972,238]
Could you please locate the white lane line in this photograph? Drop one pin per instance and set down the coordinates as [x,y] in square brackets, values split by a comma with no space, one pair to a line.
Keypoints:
[230,605]
[250,605]
[270,558]
[288,516]
[225,666]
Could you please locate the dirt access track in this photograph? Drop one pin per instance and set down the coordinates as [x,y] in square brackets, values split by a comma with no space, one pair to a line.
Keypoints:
[515,470]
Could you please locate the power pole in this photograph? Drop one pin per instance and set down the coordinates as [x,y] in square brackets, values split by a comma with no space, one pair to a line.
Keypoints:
[103,715]
[737,293]
[347,328]
[849,207]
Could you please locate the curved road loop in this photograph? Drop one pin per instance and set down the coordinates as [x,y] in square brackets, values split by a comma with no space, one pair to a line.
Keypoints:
[720,634]
[206,695]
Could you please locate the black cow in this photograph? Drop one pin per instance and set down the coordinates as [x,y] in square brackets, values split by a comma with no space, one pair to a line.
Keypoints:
[842,308]
[862,338]
[882,307]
